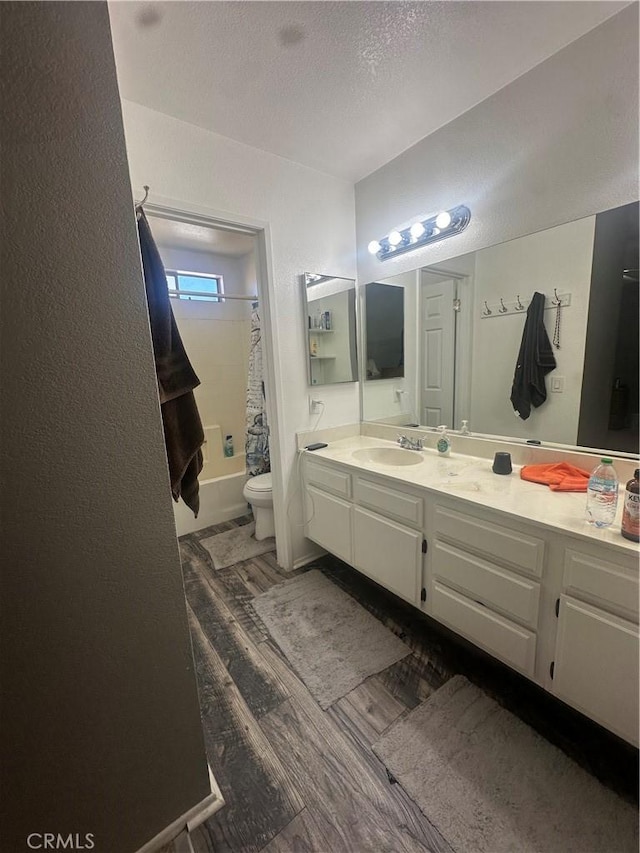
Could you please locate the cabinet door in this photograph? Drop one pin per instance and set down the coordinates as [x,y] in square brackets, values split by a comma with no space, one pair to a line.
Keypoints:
[596,666]
[328,522]
[388,552]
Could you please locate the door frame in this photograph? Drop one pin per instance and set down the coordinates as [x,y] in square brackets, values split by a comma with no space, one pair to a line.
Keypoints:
[197,214]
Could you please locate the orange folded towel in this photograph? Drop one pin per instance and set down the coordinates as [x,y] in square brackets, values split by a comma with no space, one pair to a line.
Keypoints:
[560,477]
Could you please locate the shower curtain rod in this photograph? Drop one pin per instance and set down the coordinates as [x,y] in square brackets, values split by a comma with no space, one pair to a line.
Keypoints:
[219,297]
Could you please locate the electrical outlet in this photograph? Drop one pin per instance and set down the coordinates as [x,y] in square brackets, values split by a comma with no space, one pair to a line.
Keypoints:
[315,406]
[557,384]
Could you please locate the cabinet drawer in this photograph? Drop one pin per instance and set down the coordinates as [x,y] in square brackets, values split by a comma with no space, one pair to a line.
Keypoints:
[388,553]
[497,635]
[609,583]
[328,479]
[395,504]
[329,523]
[596,666]
[515,596]
[522,551]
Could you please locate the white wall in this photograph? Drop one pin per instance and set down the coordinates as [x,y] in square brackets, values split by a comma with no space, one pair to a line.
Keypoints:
[558,144]
[560,257]
[101,726]
[310,218]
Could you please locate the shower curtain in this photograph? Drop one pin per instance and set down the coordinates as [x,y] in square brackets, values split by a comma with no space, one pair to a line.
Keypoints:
[257,442]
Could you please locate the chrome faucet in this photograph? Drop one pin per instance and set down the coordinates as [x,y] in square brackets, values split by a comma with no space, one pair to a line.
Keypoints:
[409,444]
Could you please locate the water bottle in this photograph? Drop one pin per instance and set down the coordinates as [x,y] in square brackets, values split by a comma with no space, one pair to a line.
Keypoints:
[602,494]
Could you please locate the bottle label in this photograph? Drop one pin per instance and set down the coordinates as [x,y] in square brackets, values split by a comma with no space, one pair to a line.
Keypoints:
[442,445]
[631,514]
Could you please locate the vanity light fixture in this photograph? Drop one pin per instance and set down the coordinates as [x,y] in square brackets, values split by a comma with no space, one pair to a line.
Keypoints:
[421,233]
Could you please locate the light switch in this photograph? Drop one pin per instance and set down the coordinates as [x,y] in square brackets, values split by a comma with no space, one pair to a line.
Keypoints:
[557,384]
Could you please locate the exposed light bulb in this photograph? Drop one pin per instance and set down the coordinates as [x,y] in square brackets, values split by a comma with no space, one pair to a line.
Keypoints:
[395,238]
[374,247]
[417,230]
[443,219]
[435,231]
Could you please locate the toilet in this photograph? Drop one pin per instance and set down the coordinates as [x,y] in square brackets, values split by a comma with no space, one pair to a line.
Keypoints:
[257,492]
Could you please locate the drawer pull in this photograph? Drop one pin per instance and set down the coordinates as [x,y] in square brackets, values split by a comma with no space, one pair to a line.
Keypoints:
[552,668]
[557,607]
[423,594]
[424,546]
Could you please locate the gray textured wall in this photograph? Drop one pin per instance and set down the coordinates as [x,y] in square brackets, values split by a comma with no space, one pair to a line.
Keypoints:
[557,144]
[100,718]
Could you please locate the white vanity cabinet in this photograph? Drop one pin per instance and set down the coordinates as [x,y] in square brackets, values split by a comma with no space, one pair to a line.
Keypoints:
[561,609]
[387,536]
[372,526]
[328,510]
[596,655]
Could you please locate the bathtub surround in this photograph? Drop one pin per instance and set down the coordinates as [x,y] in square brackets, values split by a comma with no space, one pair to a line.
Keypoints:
[215,334]
[183,433]
[491,784]
[332,642]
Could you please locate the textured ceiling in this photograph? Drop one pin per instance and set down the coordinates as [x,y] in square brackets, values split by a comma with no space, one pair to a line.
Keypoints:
[343,87]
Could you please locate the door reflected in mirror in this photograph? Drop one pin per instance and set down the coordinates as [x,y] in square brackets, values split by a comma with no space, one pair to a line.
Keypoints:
[464,323]
[330,328]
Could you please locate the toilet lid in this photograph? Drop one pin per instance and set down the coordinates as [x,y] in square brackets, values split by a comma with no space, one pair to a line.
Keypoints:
[261,483]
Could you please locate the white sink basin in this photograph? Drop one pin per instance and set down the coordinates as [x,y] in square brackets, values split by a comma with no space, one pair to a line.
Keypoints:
[388,456]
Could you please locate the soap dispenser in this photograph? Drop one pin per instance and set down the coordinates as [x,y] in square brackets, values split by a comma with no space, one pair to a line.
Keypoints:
[443,445]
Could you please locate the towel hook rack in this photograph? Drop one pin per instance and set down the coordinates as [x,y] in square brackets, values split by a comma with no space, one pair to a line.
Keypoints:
[146,196]
[487,312]
[519,305]
[503,309]
[557,299]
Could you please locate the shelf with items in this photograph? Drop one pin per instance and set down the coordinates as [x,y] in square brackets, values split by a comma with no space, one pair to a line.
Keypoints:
[321,331]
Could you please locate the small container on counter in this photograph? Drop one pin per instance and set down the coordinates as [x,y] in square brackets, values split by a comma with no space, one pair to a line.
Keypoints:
[631,509]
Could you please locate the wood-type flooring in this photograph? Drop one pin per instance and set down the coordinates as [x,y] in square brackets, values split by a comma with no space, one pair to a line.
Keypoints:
[297,779]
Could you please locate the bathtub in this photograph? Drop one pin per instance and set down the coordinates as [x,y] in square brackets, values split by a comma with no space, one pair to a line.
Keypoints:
[221,483]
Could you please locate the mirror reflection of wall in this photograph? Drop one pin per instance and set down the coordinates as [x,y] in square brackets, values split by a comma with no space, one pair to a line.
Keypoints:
[331,329]
[464,359]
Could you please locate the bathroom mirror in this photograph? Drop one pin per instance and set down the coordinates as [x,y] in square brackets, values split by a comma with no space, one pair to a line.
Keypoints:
[330,327]
[464,325]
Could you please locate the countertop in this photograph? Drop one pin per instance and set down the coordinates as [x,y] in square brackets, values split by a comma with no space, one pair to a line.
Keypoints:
[471,479]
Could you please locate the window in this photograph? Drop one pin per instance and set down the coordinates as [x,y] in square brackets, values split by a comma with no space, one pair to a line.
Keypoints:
[194,283]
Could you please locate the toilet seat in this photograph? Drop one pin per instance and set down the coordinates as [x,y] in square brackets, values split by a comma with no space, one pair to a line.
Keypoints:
[260,484]
[257,491]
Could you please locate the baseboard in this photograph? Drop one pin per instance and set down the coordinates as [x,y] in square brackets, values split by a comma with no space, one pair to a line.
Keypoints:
[189,820]
[308,558]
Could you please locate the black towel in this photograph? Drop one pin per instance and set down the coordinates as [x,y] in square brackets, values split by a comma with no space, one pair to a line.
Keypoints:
[535,360]
[183,433]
